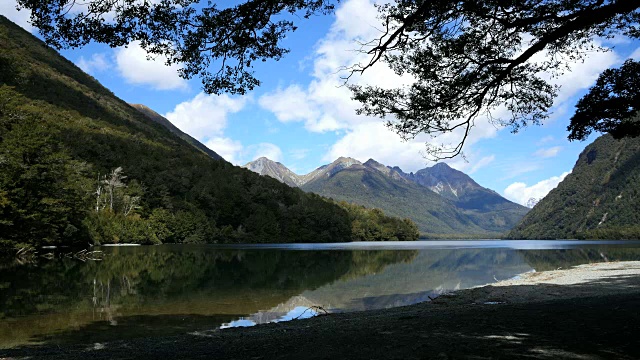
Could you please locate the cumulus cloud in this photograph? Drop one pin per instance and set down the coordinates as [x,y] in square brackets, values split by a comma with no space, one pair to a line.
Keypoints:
[205,116]
[548,152]
[268,150]
[8,9]
[290,104]
[325,105]
[97,63]
[519,192]
[228,148]
[134,66]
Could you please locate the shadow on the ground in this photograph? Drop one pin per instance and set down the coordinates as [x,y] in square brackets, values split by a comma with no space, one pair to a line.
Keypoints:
[515,322]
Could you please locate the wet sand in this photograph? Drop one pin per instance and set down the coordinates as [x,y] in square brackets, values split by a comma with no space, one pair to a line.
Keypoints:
[587,312]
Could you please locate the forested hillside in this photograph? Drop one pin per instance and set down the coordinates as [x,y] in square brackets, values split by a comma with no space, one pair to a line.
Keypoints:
[78,166]
[434,214]
[600,199]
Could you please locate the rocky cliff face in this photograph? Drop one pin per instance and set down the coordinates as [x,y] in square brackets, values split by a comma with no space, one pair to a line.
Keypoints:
[461,189]
[276,170]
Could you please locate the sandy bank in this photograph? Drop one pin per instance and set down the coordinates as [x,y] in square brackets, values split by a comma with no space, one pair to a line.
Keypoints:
[587,312]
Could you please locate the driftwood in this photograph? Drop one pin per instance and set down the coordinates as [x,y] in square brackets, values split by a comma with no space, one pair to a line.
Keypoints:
[315,308]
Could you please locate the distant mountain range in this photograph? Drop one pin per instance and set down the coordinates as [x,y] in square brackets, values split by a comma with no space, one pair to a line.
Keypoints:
[599,199]
[441,200]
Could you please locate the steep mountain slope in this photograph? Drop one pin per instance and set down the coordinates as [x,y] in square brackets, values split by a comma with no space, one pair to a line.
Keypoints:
[349,180]
[465,192]
[276,170]
[184,136]
[599,199]
[442,201]
[79,165]
[456,186]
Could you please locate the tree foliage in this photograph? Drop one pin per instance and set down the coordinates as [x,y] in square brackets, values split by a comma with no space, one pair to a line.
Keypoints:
[473,59]
[79,165]
[599,199]
[231,39]
[469,59]
[611,106]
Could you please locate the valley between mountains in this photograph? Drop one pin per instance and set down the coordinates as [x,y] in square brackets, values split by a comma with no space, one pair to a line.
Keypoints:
[442,201]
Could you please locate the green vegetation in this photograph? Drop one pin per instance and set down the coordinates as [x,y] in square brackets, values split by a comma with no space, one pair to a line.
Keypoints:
[374,225]
[164,289]
[434,215]
[600,199]
[78,166]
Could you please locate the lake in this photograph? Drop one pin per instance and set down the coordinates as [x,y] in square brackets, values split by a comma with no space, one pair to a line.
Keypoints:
[176,289]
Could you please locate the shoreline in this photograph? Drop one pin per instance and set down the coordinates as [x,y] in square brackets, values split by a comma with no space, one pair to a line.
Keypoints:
[588,311]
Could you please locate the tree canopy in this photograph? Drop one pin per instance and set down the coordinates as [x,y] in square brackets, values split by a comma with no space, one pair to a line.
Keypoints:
[611,105]
[469,59]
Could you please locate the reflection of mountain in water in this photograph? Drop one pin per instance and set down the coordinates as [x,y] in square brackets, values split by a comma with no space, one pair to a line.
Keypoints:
[160,290]
[154,284]
[434,272]
[430,274]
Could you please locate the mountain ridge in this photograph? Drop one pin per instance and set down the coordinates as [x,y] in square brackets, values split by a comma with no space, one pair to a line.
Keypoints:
[599,199]
[466,207]
[80,166]
[151,114]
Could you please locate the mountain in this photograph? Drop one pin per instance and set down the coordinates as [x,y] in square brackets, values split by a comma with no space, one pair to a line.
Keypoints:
[184,136]
[599,199]
[276,170]
[464,208]
[461,189]
[78,165]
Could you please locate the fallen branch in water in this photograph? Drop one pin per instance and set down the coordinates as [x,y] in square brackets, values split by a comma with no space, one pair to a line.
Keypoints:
[315,308]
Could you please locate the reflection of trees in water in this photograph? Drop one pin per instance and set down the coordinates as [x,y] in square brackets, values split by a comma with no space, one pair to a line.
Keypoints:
[542,260]
[137,277]
[164,289]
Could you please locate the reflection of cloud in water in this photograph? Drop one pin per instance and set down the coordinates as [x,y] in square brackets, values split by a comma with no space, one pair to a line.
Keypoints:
[298,312]
[238,323]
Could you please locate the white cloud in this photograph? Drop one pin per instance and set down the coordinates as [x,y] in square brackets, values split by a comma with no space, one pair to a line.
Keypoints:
[228,148]
[635,55]
[544,140]
[375,141]
[97,63]
[484,161]
[268,150]
[8,9]
[205,116]
[134,66]
[325,105]
[299,154]
[548,152]
[519,192]
[289,105]
[583,74]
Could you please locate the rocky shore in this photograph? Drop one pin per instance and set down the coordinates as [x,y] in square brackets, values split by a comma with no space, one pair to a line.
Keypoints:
[586,312]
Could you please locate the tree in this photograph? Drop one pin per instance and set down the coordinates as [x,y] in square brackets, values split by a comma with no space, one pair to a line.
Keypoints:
[469,58]
[184,31]
[472,58]
[611,105]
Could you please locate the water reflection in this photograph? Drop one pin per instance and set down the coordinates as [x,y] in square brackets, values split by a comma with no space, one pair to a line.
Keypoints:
[163,290]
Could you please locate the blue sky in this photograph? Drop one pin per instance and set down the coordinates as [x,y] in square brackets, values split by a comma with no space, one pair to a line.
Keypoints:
[301,116]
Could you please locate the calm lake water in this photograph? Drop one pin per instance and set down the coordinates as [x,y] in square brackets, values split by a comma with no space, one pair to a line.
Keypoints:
[177,289]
